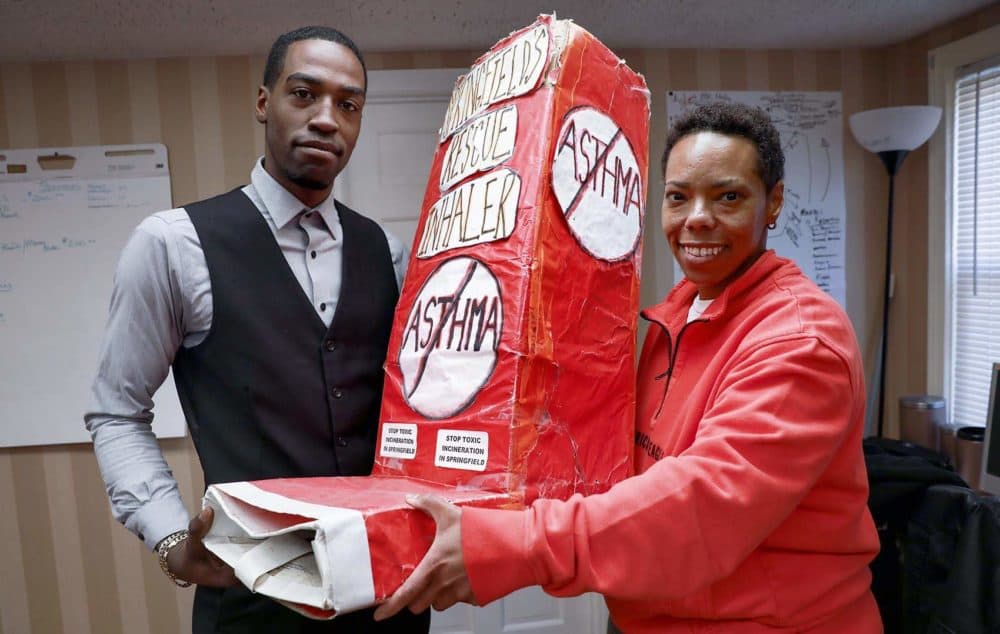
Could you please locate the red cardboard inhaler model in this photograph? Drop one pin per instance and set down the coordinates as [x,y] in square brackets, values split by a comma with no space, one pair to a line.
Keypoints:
[509,374]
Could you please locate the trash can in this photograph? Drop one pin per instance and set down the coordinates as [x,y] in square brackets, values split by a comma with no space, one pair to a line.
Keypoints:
[921,417]
[969,453]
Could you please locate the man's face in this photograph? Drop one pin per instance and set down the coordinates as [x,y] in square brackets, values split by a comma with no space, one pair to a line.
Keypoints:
[312,117]
[715,208]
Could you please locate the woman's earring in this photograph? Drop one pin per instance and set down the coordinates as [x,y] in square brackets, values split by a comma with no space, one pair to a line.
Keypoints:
[772,225]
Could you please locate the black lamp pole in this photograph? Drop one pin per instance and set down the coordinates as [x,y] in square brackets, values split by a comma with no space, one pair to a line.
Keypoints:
[892,160]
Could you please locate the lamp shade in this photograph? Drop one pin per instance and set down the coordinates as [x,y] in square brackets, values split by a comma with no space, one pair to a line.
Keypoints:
[891,129]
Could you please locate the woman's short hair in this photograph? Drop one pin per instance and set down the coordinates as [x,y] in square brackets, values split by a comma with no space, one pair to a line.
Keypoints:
[734,119]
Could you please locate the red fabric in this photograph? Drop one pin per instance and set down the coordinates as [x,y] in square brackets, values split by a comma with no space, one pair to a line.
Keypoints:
[568,317]
[398,535]
[750,508]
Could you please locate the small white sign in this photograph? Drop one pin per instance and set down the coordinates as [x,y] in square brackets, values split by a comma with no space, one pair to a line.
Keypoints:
[451,336]
[508,72]
[479,211]
[597,181]
[485,142]
[456,449]
[399,440]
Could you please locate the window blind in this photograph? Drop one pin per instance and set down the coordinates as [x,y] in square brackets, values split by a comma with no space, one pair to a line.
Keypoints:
[975,248]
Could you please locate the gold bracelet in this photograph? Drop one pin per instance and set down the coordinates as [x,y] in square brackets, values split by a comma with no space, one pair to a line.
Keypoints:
[163,549]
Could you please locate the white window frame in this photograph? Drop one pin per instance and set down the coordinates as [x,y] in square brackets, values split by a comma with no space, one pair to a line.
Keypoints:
[943,64]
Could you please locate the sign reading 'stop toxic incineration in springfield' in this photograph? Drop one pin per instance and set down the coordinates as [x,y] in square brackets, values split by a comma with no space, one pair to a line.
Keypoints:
[510,369]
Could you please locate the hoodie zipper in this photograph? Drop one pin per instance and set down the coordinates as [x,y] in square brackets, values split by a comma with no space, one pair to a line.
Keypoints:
[672,353]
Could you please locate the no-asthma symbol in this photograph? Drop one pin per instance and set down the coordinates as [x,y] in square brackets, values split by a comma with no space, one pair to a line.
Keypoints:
[596,179]
[451,336]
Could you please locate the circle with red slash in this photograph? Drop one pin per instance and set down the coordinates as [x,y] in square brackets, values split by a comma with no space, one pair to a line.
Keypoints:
[597,182]
[451,337]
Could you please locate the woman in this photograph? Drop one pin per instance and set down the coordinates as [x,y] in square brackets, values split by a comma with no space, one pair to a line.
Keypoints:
[748,512]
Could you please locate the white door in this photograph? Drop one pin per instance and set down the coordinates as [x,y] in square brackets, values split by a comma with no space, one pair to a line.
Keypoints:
[387,174]
[385,180]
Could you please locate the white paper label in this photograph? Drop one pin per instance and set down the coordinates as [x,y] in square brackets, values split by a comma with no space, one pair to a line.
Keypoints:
[596,179]
[399,440]
[482,210]
[457,449]
[451,337]
[509,72]
[485,142]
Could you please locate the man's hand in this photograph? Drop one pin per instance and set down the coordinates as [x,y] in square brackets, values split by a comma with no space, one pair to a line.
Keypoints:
[191,561]
[440,579]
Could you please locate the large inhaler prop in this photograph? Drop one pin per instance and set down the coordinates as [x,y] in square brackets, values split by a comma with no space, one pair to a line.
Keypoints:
[509,374]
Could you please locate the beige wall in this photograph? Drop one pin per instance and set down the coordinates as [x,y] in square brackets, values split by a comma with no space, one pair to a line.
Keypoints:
[68,567]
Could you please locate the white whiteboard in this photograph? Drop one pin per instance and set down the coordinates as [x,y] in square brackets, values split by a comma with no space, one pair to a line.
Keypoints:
[61,231]
[812,227]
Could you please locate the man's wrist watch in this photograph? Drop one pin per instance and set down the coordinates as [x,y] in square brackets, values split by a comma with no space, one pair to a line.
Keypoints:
[163,549]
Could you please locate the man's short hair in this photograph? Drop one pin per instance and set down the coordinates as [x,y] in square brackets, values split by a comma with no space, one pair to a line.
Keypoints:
[734,119]
[276,57]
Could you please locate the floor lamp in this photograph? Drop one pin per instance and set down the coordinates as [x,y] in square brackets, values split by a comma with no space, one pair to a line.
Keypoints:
[891,133]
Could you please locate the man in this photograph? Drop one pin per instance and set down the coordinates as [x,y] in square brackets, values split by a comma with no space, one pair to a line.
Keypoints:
[273,304]
[748,512]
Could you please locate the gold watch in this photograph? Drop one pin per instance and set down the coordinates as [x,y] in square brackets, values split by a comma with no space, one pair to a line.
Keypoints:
[163,549]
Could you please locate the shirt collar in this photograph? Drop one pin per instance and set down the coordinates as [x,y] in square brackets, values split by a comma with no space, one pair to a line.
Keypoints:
[281,204]
[683,294]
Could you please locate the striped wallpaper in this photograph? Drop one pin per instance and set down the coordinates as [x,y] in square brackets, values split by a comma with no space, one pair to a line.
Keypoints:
[68,567]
